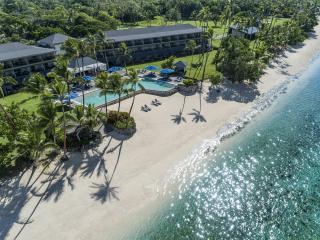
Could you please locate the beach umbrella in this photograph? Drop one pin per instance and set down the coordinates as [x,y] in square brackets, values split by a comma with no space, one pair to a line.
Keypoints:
[114,69]
[74,95]
[151,68]
[88,78]
[167,71]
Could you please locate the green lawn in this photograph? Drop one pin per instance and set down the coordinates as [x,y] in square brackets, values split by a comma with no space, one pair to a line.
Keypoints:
[25,100]
[281,21]
[210,68]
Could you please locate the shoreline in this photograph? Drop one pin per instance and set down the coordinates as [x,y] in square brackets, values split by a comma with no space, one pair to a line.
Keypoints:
[78,207]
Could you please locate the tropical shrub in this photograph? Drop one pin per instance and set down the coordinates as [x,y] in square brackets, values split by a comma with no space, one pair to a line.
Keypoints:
[188,82]
[121,120]
[169,62]
[216,78]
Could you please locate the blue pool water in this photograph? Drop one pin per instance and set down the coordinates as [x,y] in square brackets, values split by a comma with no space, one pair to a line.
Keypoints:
[263,183]
[96,99]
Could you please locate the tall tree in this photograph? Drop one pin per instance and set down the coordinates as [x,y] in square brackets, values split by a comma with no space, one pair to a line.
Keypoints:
[124,54]
[36,83]
[30,142]
[117,85]
[103,82]
[59,90]
[134,82]
[191,47]
[103,45]
[4,80]
[61,71]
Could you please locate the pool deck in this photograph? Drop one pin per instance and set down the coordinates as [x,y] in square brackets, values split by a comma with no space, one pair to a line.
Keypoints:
[146,91]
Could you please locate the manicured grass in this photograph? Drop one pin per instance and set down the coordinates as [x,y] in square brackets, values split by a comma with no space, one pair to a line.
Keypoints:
[281,21]
[188,59]
[210,68]
[25,100]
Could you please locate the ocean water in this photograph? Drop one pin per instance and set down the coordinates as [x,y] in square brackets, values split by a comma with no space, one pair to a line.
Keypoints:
[263,183]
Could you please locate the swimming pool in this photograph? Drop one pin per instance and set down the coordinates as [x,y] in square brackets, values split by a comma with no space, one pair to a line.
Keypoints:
[95,98]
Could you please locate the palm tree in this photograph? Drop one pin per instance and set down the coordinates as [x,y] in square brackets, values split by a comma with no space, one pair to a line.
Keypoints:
[135,82]
[78,113]
[92,117]
[103,82]
[72,51]
[117,84]
[3,81]
[61,71]
[209,36]
[30,142]
[83,49]
[36,84]
[191,46]
[103,44]
[93,47]
[59,90]
[124,54]
[82,84]
[48,118]
[226,20]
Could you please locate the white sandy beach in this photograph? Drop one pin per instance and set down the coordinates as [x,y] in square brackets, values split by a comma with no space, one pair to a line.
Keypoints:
[74,203]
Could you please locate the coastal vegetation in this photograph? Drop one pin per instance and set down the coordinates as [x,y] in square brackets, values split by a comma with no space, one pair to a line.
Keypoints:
[42,111]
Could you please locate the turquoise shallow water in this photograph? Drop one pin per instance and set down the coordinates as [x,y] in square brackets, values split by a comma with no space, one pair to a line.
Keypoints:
[264,183]
[97,100]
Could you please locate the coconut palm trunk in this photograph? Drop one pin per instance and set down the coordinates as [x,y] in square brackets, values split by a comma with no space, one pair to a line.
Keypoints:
[106,59]
[119,103]
[64,130]
[133,100]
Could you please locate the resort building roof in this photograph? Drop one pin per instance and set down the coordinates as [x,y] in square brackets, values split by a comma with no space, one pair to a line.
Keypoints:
[15,50]
[150,32]
[53,40]
[247,30]
[89,64]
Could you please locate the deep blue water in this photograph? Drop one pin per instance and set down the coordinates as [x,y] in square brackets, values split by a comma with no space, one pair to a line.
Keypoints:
[264,183]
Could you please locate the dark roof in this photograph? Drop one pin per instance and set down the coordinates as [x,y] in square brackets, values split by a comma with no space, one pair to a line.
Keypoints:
[15,50]
[150,32]
[248,30]
[53,39]
[86,62]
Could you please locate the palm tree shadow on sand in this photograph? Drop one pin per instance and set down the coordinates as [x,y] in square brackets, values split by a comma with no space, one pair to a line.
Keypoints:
[179,118]
[104,191]
[197,116]
[239,92]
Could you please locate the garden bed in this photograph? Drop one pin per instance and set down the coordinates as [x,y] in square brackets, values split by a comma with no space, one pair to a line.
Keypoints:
[121,123]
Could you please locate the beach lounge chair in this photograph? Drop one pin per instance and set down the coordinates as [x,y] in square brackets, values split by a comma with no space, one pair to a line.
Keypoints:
[154,103]
[157,102]
[146,106]
[144,109]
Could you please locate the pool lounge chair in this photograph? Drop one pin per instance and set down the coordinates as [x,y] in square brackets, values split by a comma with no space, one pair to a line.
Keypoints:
[145,108]
[157,102]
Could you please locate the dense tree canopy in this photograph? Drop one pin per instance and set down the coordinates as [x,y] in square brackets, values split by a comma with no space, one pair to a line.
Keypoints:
[31,20]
